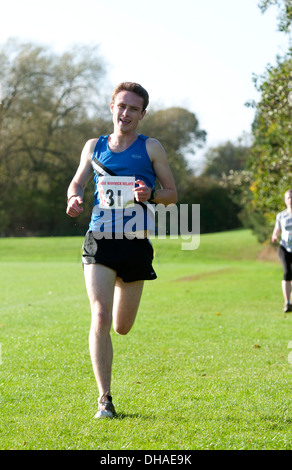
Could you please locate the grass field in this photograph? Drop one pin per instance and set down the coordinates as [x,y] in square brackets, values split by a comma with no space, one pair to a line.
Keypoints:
[205,366]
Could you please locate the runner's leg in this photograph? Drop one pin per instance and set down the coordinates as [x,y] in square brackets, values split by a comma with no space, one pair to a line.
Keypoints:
[285,259]
[286,289]
[100,282]
[126,302]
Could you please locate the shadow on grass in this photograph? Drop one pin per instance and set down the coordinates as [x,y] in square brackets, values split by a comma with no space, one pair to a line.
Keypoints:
[134,416]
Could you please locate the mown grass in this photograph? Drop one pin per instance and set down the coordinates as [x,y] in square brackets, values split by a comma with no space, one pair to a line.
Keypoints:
[205,366]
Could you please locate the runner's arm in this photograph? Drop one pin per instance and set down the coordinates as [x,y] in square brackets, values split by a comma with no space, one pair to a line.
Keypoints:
[275,234]
[167,194]
[76,188]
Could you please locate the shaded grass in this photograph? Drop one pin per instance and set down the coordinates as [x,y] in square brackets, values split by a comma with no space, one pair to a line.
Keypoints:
[205,366]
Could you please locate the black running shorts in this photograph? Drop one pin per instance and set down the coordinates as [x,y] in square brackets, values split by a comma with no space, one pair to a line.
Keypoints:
[130,258]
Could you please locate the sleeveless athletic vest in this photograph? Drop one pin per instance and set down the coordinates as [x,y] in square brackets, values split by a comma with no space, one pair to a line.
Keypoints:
[135,162]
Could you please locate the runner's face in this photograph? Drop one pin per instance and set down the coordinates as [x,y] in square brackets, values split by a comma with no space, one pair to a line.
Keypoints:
[127,111]
[288,200]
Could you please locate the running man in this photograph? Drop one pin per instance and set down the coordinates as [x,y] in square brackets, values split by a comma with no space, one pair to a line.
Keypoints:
[116,264]
[283,226]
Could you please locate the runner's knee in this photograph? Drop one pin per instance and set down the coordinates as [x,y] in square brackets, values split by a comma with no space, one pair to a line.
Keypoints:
[122,329]
[101,319]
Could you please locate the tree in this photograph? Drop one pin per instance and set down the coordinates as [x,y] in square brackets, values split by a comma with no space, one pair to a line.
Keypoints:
[270,161]
[285,12]
[179,132]
[47,109]
[226,157]
[218,211]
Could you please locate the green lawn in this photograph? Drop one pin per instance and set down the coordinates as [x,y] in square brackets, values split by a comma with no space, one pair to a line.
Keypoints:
[205,366]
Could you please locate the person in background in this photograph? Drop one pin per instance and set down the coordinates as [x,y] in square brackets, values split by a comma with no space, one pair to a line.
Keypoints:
[283,227]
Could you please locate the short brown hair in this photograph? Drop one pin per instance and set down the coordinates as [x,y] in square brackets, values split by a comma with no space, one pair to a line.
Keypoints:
[134,88]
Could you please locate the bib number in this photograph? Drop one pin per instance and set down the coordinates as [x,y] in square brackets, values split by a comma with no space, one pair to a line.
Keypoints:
[116,192]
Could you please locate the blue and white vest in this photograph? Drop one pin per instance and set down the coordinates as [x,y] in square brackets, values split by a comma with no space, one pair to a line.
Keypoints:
[135,162]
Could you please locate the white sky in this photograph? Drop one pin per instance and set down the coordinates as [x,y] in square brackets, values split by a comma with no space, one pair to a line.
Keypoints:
[198,54]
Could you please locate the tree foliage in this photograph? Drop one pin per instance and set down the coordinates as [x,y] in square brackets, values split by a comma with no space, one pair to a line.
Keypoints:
[179,132]
[225,157]
[226,180]
[47,103]
[271,162]
[285,12]
[218,211]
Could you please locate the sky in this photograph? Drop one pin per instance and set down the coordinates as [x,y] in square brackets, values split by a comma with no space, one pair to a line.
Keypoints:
[196,54]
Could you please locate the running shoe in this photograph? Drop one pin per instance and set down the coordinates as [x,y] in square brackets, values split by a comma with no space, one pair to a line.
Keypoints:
[106,408]
[287,307]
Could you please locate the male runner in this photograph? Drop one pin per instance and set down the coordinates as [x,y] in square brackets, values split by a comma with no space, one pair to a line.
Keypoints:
[116,264]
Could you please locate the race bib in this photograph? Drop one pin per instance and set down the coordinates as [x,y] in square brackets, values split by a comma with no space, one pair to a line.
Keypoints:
[116,192]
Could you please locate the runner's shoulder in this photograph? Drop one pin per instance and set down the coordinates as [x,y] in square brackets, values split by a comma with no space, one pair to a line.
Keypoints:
[154,148]
[90,144]
[88,149]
